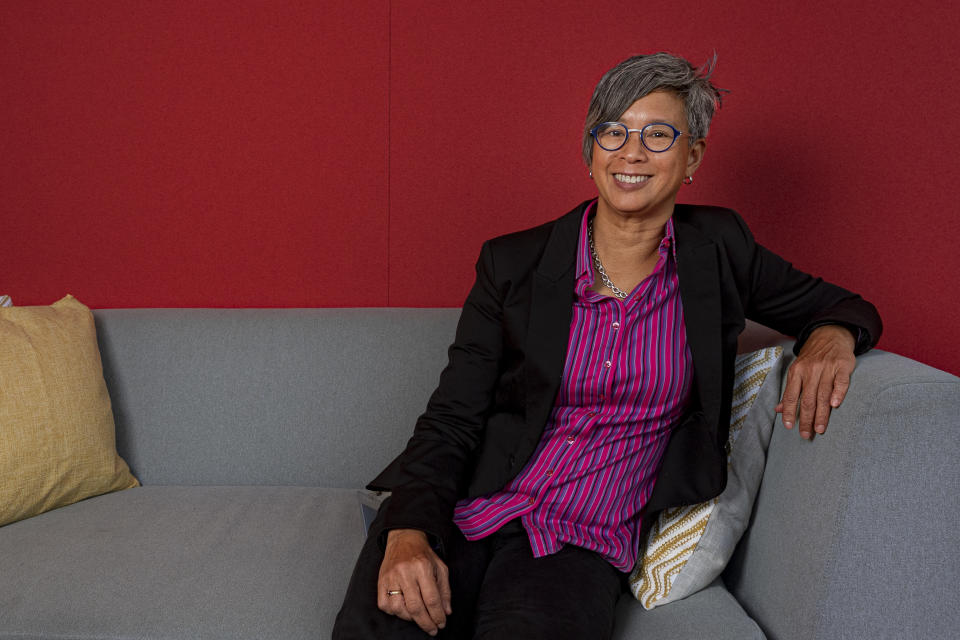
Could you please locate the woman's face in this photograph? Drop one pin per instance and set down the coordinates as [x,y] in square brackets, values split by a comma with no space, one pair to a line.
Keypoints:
[635,182]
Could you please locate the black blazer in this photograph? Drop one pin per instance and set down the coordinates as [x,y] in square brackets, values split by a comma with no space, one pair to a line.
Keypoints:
[494,397]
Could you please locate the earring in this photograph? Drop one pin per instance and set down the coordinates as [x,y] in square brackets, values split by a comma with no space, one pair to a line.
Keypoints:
[591,173]
[688,180]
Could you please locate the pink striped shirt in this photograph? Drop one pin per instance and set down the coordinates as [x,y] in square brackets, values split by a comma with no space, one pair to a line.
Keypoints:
[626,381]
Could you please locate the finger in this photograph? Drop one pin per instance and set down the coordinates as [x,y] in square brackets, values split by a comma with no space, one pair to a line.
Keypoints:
[383,600]
[841,384]
[401,608]
[389,602]
[788,403]
[415,607]
[443,583]
[822,412]
[431,594]
[808,409]
[809,382]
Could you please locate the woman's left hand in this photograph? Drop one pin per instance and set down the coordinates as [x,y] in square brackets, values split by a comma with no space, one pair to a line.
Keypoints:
[818,379]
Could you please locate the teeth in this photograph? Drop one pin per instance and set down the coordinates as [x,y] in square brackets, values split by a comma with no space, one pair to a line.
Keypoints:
[630,179]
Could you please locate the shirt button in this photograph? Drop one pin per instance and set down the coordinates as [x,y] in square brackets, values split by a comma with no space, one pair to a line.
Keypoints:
[607,364]
[549,472]
[615,325]
[571,439]
[529,500]
[591,414]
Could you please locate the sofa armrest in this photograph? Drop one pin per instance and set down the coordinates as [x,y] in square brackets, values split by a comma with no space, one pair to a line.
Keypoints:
[854,533]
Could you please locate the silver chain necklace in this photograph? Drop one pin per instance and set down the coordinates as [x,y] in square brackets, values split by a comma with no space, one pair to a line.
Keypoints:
[607,282]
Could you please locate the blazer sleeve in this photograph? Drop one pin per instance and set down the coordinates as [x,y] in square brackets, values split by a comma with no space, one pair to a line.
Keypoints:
[795,303]
[430,473]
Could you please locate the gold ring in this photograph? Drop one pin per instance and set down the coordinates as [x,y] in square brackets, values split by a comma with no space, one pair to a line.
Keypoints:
[394,592]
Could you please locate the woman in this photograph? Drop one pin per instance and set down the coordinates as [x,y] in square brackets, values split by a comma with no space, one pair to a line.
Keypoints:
[589,387]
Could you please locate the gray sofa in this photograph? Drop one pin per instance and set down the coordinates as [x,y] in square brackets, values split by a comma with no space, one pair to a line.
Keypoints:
[253,430]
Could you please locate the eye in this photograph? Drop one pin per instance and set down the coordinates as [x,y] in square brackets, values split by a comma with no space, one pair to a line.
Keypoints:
[658,132]
[612,131]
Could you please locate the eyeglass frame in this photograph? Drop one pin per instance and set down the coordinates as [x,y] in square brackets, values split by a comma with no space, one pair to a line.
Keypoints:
[676,134]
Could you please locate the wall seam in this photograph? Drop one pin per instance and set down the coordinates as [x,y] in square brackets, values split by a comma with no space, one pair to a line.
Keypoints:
[389,141]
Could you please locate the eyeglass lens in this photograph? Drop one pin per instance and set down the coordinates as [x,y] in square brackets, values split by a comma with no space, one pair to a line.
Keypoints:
[655,137]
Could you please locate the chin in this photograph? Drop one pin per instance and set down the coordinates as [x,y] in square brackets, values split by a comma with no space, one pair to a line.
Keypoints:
[634,208]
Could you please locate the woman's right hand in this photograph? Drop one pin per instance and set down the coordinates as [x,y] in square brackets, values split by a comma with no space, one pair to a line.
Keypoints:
[411,567]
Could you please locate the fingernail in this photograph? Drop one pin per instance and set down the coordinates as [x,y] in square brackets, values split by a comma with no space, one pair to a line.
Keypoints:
[805,435]
[788,425]
[820,428]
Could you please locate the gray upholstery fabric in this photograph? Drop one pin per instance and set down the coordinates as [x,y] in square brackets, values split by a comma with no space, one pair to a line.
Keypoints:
[854,534]
[322,397]
[710,613]
[182,562]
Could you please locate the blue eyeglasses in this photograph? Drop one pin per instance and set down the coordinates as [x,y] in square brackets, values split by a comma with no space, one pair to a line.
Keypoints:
[656,136]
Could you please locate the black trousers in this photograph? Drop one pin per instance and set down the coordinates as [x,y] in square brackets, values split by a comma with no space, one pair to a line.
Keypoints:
[499,590]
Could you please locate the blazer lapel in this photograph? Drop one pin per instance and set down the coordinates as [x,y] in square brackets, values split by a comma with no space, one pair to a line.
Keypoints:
[689,471]
[699,277]
[548,334]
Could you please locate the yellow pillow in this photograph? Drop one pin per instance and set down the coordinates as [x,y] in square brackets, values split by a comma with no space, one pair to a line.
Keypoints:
[57,441]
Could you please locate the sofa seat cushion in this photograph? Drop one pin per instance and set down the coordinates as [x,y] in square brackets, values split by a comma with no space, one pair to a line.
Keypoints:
[230,562]
[182,562]
[710,613]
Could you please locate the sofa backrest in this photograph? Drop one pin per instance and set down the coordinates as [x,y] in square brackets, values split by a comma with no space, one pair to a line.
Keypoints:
[314,397]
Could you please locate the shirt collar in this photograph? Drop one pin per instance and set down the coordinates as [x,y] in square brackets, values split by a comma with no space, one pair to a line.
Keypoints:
[585,260]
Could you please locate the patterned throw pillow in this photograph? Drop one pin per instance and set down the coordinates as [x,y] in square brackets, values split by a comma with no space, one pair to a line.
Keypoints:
[56,424]
[689,546]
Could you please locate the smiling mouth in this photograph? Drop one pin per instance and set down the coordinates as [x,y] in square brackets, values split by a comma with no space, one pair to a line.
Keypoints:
[628,179]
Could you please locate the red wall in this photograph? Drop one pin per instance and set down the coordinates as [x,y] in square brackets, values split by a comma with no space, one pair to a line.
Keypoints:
[357,152]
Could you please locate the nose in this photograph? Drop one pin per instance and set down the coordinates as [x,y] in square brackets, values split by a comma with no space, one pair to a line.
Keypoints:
[633,149]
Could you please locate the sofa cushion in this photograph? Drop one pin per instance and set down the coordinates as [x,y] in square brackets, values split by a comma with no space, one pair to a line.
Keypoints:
[310,397]
[182,562]
[710,613]
[688,547]
[230,562]
[56,421]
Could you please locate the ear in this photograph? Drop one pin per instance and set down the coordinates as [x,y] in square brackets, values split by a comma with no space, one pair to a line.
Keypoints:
[695,155]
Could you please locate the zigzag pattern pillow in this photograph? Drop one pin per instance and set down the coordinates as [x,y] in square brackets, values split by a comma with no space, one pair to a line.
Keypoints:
[689,546]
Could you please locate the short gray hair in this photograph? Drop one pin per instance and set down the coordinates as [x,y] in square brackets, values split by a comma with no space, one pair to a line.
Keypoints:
[639,76]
